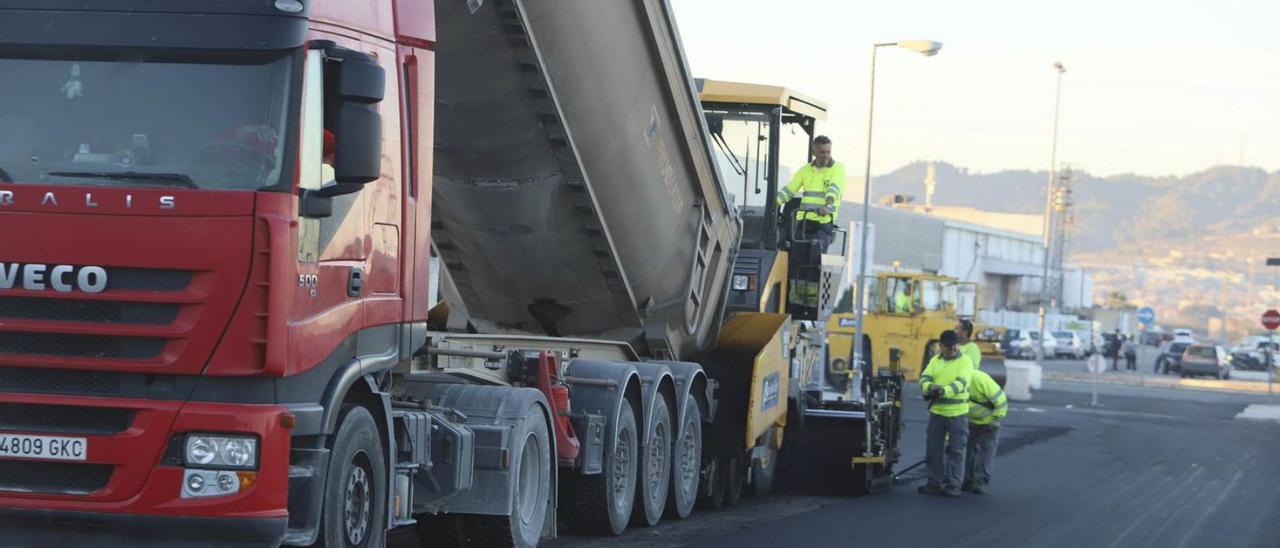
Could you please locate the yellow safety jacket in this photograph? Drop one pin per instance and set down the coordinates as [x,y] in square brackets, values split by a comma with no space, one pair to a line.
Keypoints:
[816,187]
[974,353]
[901,303]
[987,402]
[954,377]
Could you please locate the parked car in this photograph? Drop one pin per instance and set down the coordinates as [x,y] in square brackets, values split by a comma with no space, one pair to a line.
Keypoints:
[1206,359]
[1023,344]
[1152,337]
[1006,342]
[1251,355]
[1184,335]
[1069,345]
[1109,346]
[1170,358]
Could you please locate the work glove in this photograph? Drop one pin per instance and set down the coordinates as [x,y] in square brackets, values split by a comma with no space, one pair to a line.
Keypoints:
[935,392]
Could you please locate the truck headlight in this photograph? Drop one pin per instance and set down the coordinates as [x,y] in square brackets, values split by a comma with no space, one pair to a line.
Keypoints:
[221,452]
[740,282]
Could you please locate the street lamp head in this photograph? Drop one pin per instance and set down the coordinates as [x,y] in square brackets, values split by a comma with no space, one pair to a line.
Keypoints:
[928,48]
[1061,69]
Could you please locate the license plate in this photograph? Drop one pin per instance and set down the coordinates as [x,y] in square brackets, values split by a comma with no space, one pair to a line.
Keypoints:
[43,447]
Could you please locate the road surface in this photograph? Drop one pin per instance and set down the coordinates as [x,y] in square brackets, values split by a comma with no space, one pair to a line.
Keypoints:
[1152,467]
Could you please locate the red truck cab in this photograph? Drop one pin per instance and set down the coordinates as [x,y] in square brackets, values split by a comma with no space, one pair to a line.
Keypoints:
[213,228]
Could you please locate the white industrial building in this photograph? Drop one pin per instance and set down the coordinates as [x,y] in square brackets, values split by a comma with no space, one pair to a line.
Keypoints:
[1006,264]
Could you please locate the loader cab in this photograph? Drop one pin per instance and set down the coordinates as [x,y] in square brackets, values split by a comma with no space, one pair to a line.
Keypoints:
[911,294]
[761,135]
[906,311]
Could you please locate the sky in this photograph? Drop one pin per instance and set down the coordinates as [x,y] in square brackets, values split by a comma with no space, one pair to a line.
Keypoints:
[1155,88]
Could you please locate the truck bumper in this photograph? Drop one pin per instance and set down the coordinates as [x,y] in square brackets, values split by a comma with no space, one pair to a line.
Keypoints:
[26,527]
[140,495]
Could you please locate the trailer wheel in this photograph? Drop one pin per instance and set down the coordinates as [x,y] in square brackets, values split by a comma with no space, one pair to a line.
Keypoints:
[686,459]
[601,503]
[354,514]
[655,469]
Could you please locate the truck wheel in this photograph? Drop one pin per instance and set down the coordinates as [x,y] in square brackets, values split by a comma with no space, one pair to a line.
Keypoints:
[531,488]
[734,476]
[715,485]
[655,469]
[762,469]
[602,502]
[354,512]
[687,458]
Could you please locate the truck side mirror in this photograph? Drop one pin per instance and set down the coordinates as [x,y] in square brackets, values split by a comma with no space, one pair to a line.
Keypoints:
[354,85]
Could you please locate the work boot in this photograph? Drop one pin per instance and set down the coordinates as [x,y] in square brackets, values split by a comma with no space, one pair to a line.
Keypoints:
[951,491]
[978,490]
[930,489]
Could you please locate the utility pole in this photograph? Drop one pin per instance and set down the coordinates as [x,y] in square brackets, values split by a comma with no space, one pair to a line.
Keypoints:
[1048,213]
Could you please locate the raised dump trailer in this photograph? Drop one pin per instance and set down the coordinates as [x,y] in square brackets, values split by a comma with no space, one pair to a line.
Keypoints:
[575,191]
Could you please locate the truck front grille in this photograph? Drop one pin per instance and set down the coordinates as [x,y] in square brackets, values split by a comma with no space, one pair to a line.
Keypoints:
[53,477]
[26,317]
[72,345]
[64,419]
[59,381]
[71,310]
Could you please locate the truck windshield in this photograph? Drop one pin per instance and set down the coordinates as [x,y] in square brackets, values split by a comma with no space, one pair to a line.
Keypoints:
[139,120]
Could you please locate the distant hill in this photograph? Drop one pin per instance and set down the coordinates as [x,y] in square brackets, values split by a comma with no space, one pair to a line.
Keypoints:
[1219,201]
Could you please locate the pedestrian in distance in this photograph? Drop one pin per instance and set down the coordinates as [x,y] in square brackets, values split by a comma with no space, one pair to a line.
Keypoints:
[1131,354]
[988,407]
[964,332]
[1113,350]
[945,383]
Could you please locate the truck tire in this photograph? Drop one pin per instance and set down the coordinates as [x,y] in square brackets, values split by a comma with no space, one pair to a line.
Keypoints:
[762,469]
[601,503]
[355,513]
[655,468]
[685,463]
[715,485]
[734,475]
[531,489]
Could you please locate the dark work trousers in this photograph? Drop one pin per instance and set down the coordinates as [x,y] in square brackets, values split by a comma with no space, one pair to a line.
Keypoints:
[1132,361]
[813,230]
[946,470]
[983,440]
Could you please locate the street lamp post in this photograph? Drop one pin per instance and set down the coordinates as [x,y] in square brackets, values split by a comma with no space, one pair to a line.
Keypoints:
[1048,214]
[928,48]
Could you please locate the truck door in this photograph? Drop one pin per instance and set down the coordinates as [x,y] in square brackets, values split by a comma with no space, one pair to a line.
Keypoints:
[349,259]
